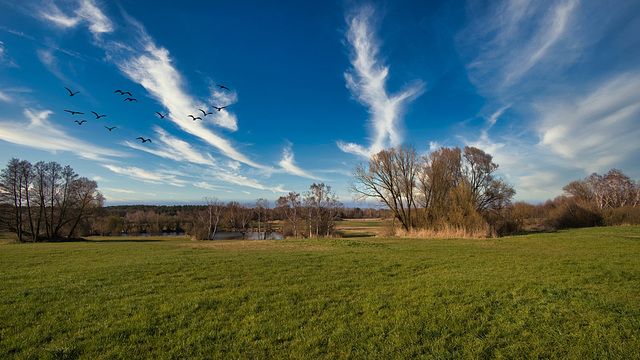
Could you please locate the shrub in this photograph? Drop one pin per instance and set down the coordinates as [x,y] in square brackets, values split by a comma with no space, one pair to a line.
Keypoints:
[626,215]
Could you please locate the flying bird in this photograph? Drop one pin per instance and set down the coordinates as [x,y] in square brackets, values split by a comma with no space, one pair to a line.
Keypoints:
[110,128]
[219,108]
[195,117]
[223,87]
[97,116]
[71,93]
[122,92]
[205,113]
[144,140]
[161,116]
[74,112]
[80,122]
[130,99]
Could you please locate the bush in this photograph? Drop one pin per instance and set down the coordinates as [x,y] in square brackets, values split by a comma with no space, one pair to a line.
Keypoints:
[574,215]
[626,215]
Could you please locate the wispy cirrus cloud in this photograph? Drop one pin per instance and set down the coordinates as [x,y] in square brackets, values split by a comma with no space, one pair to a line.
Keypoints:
[170,147]
[596,129]
[42,134]
[367,82]
[289,165]
[152,177]
[544,70]
[152,67]
[85,12]
[516,40]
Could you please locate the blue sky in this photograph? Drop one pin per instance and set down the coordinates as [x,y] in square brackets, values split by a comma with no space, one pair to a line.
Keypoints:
[550,88]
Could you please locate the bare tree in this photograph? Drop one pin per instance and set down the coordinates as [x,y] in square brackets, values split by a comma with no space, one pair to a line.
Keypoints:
[84,197]
[262,211]
[13,189]
[215,210]
[612,190]
[439,175]
[322,207]
[390,178]
[292,209]
[46,192]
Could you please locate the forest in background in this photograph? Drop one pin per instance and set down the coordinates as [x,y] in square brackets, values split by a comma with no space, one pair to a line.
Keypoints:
[450,192]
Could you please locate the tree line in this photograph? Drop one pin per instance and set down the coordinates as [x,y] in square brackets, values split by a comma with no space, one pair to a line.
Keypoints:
[310,214]
[45,201]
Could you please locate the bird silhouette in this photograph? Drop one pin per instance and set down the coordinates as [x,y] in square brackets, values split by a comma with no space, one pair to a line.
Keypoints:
[71,93]
[122,92]
[195,117]
[144,140]
[130,99]
[110,128]
[219,108]
[74,112]
[223,87]
[97,116]
[204,112]
[161,116]
[80,122]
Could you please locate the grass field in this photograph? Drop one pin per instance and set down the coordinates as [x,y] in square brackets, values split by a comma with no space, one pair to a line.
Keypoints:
[568,294]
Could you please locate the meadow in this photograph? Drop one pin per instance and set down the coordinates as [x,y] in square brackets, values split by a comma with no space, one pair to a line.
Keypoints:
[566,294]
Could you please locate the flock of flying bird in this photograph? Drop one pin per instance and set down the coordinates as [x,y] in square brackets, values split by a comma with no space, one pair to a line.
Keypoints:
[131,99]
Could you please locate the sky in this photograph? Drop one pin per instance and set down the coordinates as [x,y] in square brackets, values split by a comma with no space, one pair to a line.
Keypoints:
[551,89]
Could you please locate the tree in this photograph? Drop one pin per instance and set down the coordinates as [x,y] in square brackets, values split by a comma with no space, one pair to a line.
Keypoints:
[84,198]
[214,211]
[390,178]
[439,175]
[48,194]
[322,206]
[612,190]
[14,189]
[292,209]
[488,192]
[262,211]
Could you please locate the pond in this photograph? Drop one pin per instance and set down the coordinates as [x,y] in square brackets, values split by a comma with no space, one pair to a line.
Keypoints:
[228,235]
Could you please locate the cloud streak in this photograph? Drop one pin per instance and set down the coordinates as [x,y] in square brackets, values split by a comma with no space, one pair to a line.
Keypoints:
[289,164]
[517,40]
[155,177]
[597,129]
[367,82]
[42,134]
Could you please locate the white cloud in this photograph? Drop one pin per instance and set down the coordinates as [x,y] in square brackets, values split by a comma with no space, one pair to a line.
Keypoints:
[367,81]
[4,97]
[522,39]
[52,13]
[98,22]
[598,129]
[152,67]
[170,147]
[42,134]
[86,13]
[152,177]
[289,164]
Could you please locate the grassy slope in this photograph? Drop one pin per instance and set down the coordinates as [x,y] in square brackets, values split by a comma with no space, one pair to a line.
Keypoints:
[567,294]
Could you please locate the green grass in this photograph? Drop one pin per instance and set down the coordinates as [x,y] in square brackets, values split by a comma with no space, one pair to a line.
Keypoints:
[569,294]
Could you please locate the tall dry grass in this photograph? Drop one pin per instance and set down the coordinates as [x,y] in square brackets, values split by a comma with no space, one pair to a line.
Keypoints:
[447,231]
